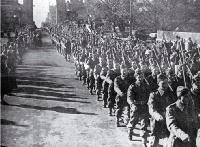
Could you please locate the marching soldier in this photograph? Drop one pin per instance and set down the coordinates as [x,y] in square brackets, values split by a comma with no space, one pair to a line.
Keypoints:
[121,86]
[67,50]
[111,75]
[172,80]
[158,101]
[182,120]
[5,89]
[152,79]
[105,85]
[98,81]
[92,62]
[195,92]
[137,98]
[131,72]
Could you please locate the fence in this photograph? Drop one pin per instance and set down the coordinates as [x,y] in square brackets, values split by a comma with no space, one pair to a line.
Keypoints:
[169,35]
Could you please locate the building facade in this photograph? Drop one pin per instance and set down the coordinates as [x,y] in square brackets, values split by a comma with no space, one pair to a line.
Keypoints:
[60,11]
[28,5]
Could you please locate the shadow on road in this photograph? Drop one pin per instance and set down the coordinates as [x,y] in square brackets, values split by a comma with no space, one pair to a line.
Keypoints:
[38,87]
[58,109]
[52,99]
[12,123]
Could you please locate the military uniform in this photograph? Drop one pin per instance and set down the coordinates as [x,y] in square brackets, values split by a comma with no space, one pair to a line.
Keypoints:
[137,98]
[104,85]
[5,81]
[195,92]
[158,101]
[90,75]
[120,87]
[131,77]
[152,79]
[112,74]
[98,81]
[182,122]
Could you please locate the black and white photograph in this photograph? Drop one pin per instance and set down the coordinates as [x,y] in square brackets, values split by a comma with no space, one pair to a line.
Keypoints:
[100,73]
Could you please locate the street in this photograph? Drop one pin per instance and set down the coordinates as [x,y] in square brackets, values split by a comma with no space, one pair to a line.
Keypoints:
[52,108]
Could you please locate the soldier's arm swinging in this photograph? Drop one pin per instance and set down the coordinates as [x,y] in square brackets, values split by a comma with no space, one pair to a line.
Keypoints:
[152,108]
[116,87]
[172,125]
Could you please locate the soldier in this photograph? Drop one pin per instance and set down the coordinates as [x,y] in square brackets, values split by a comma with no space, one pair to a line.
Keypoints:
[111,75]
[137,98]
[67,50]
[121,86]
[195,66]
[12,63]
[5,89]
[82,60]
[152,79]
[105,84]
[180,78]
[131,72]
[89,68]
[195,92]
[98,81]
[158,101]
[172,80]
[182,120]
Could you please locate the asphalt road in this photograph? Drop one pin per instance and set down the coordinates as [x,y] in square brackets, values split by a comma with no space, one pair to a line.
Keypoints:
[52,108]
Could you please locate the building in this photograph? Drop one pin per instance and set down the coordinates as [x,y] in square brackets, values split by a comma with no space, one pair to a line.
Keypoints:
[60,11]
[51,17]
[12,14]
[28,5]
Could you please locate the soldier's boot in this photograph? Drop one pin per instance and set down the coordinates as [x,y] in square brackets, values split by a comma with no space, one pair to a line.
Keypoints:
[130,134]
[104,104]
[91,91]
[110,111]
[144,135]
[98,94]
[154,141]
[88,83]
[104,97]
[84,80]
[117,122]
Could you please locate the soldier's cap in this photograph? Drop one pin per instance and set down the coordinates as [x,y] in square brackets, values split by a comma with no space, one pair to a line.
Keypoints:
[181,91]
[161,77]
[196,77]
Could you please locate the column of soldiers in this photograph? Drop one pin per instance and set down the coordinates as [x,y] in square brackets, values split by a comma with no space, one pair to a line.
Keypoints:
[153,84]
[11,55]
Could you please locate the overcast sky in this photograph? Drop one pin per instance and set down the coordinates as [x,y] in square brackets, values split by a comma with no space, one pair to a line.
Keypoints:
[40,10]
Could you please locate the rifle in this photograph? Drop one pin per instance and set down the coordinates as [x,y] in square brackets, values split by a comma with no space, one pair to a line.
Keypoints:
[183,57]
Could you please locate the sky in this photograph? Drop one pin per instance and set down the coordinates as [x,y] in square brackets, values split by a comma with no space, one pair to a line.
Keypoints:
[40,10]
